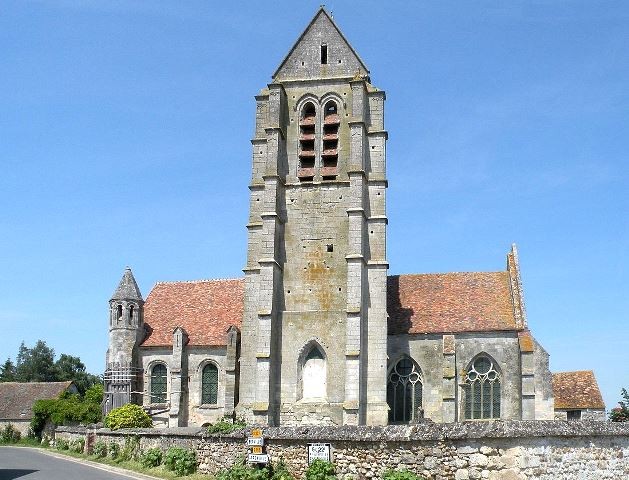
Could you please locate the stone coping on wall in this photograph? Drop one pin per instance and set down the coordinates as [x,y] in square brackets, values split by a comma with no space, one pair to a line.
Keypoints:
[427,431]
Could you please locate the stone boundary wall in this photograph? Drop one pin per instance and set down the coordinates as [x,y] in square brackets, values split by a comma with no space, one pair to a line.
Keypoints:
[497,450]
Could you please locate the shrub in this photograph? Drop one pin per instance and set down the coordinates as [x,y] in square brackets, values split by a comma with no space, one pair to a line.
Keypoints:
[61,444]
[77,445]
[45,441]
[320,470]
[128,416]
[280,472]
[100,449]
[131,448]
[180,460]
[400,475]
[68,408]
[113,450]
[242,471]
[10,434]
[151,458]
[226,425]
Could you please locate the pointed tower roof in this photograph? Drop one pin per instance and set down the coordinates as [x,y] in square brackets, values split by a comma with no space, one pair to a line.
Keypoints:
[128,288]
[304,60]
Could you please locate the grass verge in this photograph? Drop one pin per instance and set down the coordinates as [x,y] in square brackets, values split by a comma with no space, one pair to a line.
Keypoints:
[133,466]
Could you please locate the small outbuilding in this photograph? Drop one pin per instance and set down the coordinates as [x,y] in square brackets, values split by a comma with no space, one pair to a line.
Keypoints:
[17,400]
[577,396]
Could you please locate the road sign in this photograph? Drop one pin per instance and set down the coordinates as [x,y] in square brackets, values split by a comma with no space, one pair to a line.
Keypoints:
[251,441]
[256,450]
[256,432]
[319,451]
[253,458]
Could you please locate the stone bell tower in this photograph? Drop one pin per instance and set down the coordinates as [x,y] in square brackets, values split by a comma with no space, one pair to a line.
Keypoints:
[314,328]
[126,331]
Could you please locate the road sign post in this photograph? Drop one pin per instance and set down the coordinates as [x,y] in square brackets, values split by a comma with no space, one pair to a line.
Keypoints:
[255,444]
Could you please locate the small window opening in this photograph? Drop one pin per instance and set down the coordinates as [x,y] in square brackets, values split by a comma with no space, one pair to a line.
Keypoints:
[330,248]
[119,311]
[324,54]
[131,313]
[573,415]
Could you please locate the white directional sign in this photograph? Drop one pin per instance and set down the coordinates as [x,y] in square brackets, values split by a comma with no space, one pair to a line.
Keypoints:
[319,451]
[253,458]
[251,441]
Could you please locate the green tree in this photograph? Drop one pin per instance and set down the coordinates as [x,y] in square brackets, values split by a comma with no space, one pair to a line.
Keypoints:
[72,368]
[36,364]
[621,413]
[7,371]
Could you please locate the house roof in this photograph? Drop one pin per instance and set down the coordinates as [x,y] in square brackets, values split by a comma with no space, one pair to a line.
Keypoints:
[17,399]
[576,390]
[450,303]
[205,309]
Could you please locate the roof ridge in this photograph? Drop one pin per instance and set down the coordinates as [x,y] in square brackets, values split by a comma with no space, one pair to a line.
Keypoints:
[167,282]
[444,273]
[575,371]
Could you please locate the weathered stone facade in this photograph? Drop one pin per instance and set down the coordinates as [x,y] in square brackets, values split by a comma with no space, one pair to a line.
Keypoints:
[499,450]
[317,332]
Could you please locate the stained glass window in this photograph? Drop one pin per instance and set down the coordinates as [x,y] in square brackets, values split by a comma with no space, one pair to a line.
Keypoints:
[481,390]
[159,383]
[209,384]
[404,391]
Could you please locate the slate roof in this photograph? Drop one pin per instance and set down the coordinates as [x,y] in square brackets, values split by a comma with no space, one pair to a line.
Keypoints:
[205,309]
[17,399]
[576,390]
[450,303]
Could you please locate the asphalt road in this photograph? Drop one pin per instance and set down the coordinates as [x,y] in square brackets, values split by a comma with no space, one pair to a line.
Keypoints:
[30,464]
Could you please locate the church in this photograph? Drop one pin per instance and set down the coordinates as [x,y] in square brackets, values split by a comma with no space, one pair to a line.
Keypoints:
[316,331]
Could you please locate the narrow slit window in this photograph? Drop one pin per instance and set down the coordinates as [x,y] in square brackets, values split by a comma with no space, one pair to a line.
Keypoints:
[324,54]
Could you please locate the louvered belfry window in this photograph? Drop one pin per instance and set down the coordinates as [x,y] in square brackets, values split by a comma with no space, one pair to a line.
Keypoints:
[159,383]
[404,391]
[209,385]
[481,388]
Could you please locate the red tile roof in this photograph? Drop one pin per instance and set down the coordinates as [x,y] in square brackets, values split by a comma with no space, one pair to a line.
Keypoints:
[17,399]
[450,303]
[576,390]
[205,309]
[425,303]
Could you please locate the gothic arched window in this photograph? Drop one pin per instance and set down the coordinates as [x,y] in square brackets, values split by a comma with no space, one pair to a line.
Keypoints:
[313,375]
[159,383]
[404,391]
[209,384]
[481,389]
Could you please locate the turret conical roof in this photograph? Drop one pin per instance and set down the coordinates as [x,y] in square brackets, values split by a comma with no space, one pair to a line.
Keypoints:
[128,288]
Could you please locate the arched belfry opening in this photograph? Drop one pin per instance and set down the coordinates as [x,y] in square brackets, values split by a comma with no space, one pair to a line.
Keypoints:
[307,126]
[330,150]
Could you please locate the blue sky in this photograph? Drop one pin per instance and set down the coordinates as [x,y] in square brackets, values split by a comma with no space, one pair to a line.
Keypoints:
[125,127]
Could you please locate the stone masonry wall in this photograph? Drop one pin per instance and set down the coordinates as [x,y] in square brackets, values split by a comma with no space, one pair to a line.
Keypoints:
[499,450]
